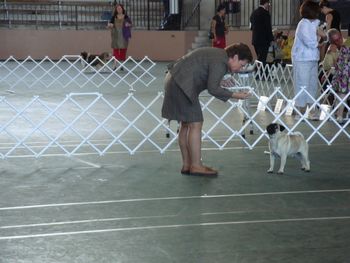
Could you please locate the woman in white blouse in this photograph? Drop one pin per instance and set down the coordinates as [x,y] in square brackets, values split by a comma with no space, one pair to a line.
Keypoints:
[305,56]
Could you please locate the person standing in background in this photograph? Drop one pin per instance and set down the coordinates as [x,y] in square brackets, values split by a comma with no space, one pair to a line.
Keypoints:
[166,13]
[219,28]
[120,25]
[305,56]
[332,20]
[261,28]
[332,16]
[166,9]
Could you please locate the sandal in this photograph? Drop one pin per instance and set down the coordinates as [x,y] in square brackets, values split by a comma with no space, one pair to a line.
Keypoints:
[203,171]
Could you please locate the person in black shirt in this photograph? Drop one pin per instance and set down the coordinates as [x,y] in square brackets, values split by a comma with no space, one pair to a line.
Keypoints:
[219,28]
[332,16]
[261,26]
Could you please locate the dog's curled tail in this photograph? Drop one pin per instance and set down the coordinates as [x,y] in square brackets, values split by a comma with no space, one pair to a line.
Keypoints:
[298,134]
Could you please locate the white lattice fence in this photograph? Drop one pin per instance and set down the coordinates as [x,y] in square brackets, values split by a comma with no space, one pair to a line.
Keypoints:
[80,123]
[84,123]
[73,71]
[268,76]
[90,123]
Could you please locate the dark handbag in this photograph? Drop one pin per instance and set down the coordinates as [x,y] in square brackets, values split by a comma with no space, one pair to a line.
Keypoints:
[210,35]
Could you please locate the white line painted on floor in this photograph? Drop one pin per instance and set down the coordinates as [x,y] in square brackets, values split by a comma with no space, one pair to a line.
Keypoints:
[153,151]
[93,165]
[83,167]
[154,227]
[175,198]
[96,142]
[86,221]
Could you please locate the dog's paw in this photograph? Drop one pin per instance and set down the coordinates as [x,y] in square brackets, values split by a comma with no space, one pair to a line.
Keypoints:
[305,169]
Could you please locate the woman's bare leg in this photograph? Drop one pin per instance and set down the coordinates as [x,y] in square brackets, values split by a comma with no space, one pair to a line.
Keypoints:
[183,143]
[190,142]
[195,143]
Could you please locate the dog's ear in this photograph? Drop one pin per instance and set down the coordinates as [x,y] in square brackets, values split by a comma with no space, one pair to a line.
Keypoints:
[282,128]
[271,128]
[83,54]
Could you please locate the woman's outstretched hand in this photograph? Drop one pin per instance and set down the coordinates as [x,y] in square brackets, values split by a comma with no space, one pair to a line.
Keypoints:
[241,95]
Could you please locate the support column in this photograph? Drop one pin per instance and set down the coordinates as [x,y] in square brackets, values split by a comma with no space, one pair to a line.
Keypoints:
[207,13]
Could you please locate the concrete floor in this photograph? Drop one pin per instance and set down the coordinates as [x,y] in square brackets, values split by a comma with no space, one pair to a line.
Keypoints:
[139,208]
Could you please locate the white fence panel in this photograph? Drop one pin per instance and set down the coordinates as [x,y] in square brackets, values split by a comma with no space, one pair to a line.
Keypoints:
[89,123]
[73,71]
[86,123]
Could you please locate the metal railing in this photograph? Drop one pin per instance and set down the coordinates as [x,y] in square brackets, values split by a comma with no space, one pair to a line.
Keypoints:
[191,14]
[78,15]
[145,14]
[284,13]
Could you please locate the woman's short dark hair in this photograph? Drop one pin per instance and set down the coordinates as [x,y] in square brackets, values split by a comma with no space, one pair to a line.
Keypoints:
[324,3]
[262,2]
[241,50]
[310,10]
[220,7]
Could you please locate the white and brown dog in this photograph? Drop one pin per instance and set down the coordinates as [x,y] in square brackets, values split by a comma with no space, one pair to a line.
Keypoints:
[282,145]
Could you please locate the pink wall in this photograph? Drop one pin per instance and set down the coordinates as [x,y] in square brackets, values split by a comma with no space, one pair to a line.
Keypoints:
[158,45]
[240,37]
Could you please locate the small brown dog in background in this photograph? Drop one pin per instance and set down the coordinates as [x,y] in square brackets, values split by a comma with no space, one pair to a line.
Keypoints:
[282,145]
[94,60]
